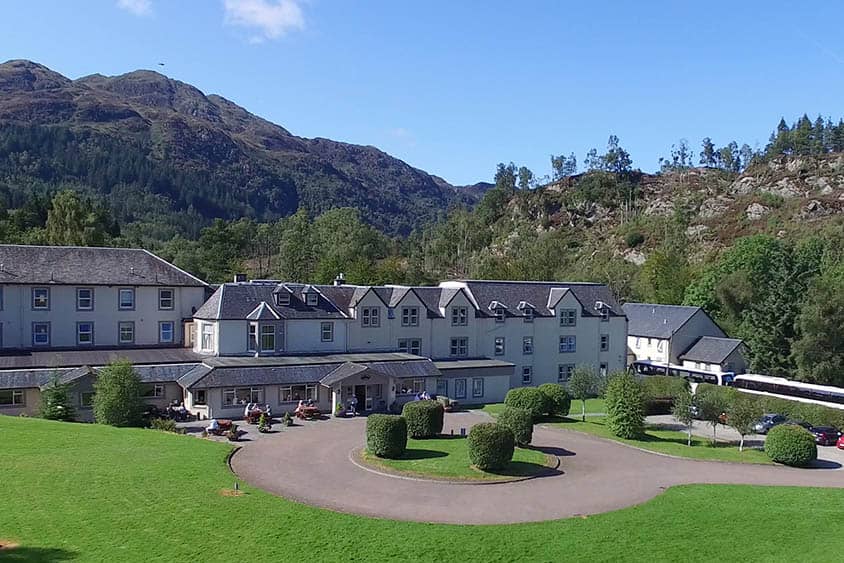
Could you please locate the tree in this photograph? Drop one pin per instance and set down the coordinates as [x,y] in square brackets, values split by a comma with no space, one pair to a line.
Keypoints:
[56,403]
[712,407]
[707,153]
[625,406]
[582,385]
[505,177]
[563,166]
[117,395]
[296,254]
[745,411]
[75,222]
[617,160]
[682,411]
[525,178]
[818,352]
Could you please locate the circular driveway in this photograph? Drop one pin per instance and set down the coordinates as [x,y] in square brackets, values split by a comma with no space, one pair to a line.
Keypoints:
[311,464]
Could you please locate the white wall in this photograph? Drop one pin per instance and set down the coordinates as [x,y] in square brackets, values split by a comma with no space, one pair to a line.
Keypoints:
[645,348]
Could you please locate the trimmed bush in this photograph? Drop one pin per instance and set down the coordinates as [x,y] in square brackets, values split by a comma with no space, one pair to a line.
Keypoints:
[165,425]
[528,398]
[386,435]
[520,423]
[790,444]
[625,406]
[491,445]
[557,398]
[660,390]
[424,418]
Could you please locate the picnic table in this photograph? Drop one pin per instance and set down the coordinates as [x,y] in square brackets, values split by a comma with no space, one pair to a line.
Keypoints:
[255,415]
[307,412]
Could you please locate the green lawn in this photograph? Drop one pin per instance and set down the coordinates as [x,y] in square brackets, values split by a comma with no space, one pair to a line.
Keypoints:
[593,406]
[94,493]
[669,442]
[448,457]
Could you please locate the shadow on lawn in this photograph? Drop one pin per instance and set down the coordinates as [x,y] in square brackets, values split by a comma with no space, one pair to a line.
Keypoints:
[415,454]
[36,554]
[525,469]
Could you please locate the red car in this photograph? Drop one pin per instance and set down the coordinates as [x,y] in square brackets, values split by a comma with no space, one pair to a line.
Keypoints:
[841,443]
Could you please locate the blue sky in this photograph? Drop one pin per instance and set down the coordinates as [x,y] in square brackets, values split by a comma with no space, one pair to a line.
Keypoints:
[454,87]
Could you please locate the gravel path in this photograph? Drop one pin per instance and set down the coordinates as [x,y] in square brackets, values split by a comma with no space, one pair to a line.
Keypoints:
[311,464]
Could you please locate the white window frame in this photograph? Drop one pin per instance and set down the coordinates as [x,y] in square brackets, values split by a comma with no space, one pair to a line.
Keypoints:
[161,331]
[196,397]
[153,391]
[605,343]
[568,344]
[527,345]
[460,383]
[36,334]
[311,299]
[207,331]
[499,345]
[459,347]
[252,337]
[603,369]
[370,317]
[477,387]
[130,291]
[326,332]
[568,317]
[162,299]
[80,299]
[527,375]
[89,333]
[564,372]
[41,295]
[308,392]
[283,298]
[410,316]
[86,404]
[442,386]
[459,316]
[410,346]
[499,314]
[17,398]
[256,395]
[605,314]
[529,312]
[122,325]
[415,384]
[267,333]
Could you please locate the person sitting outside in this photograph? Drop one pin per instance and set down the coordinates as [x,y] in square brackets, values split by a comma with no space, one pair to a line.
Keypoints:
[214,427]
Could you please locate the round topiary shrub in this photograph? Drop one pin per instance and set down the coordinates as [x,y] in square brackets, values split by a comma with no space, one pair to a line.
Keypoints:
[520,423]
[386,435]
[491,446]
[557,398]
[790,444]
[528,398]
[424,418]
[625,406]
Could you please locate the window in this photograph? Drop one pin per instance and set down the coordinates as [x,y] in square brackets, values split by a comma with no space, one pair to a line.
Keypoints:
[605,342]
[638,342]
[603,369]
[267,338]
[165,299]
[660,345]
[527,375]
[410,316]
[153,391]
[567,344]
[126,332]
[311,299]
[499,314]
[442,387]
[605,314]
[1,298]
[40,298]
[282,298]
[86,399]
[527,345]
[459,346]
[40,334]
[370,316]
[166,330]
[126,299]
[279,329]
[391,313]
[252,337]
[84,299]
[410,386]
[459,388]
[410,346]
[459,316]
[477,387]
[207,342]
[200,397]
[499,345]
[528,314]
[85,334]
[11,397]
[568,317]
[327,330]
[564,372]
[294,393]
[242,396]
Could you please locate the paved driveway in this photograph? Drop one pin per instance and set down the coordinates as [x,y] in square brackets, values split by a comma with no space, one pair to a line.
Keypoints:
[311,464]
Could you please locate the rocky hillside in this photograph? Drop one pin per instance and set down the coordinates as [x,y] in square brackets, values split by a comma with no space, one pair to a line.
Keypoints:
[162,151]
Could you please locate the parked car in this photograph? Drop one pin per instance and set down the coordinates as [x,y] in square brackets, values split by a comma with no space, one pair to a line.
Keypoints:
[801,423]
[840,443]
[825,435]
[767,422]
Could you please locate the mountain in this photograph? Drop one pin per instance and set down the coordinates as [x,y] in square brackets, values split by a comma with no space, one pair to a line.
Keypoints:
[162,152]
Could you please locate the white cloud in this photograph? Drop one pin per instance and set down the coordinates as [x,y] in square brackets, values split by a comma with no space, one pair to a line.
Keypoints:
[136,7]
[272,18]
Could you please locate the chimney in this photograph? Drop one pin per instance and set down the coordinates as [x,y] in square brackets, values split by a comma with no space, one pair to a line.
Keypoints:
[239,278]
[340,279]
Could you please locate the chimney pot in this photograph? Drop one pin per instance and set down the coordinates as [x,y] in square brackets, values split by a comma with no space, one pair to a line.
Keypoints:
[239,278]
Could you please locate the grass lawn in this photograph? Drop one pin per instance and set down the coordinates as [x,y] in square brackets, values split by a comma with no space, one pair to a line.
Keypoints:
[593,406]
[448,457]
[93,493]
[669,442]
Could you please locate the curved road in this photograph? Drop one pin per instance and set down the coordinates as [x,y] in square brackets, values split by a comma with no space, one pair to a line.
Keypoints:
[311,464]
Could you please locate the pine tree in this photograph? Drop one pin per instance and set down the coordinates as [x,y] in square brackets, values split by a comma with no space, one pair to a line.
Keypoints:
[56,403]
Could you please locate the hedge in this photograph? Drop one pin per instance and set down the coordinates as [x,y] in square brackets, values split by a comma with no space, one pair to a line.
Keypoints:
[625,406]
[520,423]
[386,435]
[790,444]
[558,401]
[424,418]
[528,398]
[659,392]
[491,445]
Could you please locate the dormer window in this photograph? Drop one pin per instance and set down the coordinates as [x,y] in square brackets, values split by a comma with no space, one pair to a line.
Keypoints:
[499,314]
[311,299]
[605,314]
[528,314]
[282,298]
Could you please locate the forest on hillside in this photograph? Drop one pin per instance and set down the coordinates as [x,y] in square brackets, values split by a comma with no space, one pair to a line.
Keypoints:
[776,282]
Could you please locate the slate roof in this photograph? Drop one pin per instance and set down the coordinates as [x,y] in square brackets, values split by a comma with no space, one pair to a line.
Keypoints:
[41,378]
[711,349]
[472,363]
[76,265]
[27,378]
[656,321]
[510,293]
[97,357]
[235,301]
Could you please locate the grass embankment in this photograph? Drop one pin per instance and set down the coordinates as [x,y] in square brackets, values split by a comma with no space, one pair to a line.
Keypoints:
[669,442]
[93,493]
[448,458]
